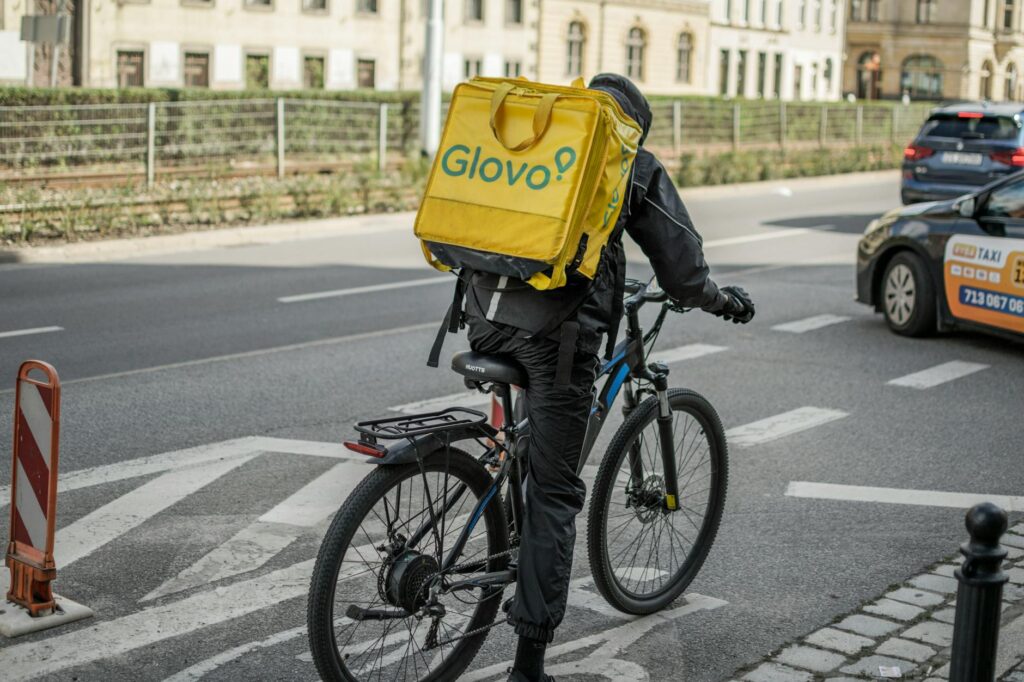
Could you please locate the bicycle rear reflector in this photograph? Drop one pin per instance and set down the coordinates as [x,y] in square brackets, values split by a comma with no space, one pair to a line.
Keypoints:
[366,448]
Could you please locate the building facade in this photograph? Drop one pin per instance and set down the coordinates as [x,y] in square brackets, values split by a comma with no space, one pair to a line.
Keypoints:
[777,49]
[935,49]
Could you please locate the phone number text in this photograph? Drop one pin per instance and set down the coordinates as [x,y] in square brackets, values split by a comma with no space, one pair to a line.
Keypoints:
[992,300]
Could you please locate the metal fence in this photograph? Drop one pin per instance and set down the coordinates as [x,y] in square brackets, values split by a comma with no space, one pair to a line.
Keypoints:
[257,136]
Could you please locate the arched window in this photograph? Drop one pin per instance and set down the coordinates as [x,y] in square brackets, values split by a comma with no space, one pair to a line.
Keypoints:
[985,89]
[636,44]
[869,76]
[921,77]
[684,54]
[576,41]
[1010,93]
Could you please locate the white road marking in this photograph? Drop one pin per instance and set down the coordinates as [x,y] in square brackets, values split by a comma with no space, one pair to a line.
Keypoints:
[810,323]
[464,399]
[780,425]
[688,352]
[356,291]
[923,498]
[759,237]
[112,520]
[28,332]
[203,668]
[940,374]
[258,543]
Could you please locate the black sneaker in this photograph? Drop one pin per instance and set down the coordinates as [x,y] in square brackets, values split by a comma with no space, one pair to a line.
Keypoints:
[517,676]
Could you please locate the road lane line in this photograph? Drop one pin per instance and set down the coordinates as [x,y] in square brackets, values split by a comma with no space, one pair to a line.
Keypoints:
[922,498]
[96,529]
[331,341]
[810,323]
[940,374]
[29,332]
[760,237]
[355,291]
[780,425]
[261,541]
[463,399]
[688,352]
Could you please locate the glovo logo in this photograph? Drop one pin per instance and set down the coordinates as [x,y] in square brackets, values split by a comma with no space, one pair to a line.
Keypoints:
[459,160]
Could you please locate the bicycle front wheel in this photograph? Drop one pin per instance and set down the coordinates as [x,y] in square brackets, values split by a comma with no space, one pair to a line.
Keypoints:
[642,555]
[379,607]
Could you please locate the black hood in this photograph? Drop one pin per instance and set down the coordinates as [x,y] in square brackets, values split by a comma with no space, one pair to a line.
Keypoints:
[628,96]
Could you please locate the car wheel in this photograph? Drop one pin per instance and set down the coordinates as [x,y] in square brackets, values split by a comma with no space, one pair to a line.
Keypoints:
[908,296]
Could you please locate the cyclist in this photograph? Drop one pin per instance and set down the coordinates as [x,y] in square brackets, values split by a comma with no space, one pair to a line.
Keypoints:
[556,336]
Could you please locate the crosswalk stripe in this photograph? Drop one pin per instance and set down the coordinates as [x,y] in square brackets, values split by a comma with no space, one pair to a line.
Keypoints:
[810,323]
[780,425]
[258,543]
[463,399]
[112,520]
[688,352]
[923,498]
[939,374]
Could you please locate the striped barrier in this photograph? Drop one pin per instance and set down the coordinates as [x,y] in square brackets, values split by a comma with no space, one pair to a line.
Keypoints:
[34,488]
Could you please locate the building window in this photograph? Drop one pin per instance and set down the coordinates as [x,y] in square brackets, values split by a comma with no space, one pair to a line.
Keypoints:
[130,69]
[684,56]
[260,4]
[574,56]
[471,67]
[314,5]
[921,77]
[764,12]
[985,12]
[802,14]
[780,11]
[828,78]
[513,69]
[197,70]
[869,76]
[366,6]
[777,84]
[926,11]
[636,44]
[814,81]
[798,82]
[856,10]
[745,8]
[513,11]
[817,14]
[1010,92]
[723,72]
[1008,14]
[366,73]
[728,11]
[833,16]
[313,73]
[762,72]
[257,71]
[873,10]
[985,90]
[474,10]
[741,73]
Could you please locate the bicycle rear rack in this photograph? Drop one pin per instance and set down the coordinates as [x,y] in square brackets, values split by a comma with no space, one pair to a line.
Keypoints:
[409,426]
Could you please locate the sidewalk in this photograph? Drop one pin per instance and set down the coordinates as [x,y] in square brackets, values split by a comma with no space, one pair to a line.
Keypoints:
[905,634]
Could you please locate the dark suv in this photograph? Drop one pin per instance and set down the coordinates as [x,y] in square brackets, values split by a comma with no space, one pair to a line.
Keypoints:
[960,148]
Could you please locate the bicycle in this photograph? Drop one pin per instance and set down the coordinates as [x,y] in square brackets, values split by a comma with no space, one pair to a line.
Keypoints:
[407,582]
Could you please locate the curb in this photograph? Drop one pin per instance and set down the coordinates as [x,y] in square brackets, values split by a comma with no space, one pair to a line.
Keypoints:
[134,247]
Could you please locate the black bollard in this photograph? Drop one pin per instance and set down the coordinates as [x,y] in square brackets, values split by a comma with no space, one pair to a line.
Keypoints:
[979,597]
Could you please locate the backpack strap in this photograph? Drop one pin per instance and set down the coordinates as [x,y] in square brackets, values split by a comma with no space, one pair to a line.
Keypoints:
[451,323]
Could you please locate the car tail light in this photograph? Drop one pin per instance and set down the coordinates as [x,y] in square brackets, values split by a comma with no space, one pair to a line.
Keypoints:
[1010,157]
[970,114]
[916,152]
[371,449]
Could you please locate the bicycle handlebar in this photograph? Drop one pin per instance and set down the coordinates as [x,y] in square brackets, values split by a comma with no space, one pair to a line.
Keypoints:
[644,292]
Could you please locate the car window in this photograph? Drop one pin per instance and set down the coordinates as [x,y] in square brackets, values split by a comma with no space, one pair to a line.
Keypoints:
[1006,202]
[984,128]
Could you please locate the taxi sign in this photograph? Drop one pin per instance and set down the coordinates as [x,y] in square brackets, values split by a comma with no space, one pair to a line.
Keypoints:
[984,280]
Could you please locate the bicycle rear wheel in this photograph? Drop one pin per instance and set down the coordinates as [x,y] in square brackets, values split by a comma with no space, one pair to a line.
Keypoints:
[366,566]
[643,556]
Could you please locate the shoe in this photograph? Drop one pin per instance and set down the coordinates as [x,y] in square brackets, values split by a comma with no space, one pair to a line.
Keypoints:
[517,676]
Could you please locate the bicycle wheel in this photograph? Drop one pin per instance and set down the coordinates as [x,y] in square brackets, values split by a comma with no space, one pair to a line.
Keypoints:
[366,566]
[643,556]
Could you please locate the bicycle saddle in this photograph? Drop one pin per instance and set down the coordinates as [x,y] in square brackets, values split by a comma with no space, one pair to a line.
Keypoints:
[499,369]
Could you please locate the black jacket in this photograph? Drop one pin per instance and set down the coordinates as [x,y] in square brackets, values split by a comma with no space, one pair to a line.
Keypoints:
[654,217]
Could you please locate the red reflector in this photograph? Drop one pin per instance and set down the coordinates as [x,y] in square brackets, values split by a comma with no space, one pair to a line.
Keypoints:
[916,152]
[365,448]
[970,114]
[1010,157]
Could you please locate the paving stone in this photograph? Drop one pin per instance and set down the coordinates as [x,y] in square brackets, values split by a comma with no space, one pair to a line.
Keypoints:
[869,666]
[1012,540]
[1017,676]
[810,658]
[1013,553]
[942,672]
[946,615]
[901,648]
[869,626]
[837,640]
[935,583]
[945,570]
[916,597]
[1016,576]
[932,632]
[896,610]
[1013,592]
[773,672]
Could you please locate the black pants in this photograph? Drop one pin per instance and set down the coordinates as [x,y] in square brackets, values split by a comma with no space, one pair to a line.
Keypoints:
[557,416]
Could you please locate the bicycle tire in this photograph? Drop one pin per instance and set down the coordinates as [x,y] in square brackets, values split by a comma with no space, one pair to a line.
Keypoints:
[321,601]
[643,416]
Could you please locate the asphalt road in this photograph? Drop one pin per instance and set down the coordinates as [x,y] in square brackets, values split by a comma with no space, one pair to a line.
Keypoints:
[165,354]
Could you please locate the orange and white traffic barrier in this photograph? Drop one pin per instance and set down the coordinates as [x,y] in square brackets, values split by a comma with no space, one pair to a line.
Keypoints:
[34,488]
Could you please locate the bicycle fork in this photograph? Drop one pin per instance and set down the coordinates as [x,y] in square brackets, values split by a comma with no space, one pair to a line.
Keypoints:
[665,438]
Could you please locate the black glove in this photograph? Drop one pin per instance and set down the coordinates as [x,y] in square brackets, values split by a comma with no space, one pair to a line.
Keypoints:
[738,307]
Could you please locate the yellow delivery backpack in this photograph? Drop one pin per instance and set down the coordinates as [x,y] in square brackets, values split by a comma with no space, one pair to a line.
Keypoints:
[528,181]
